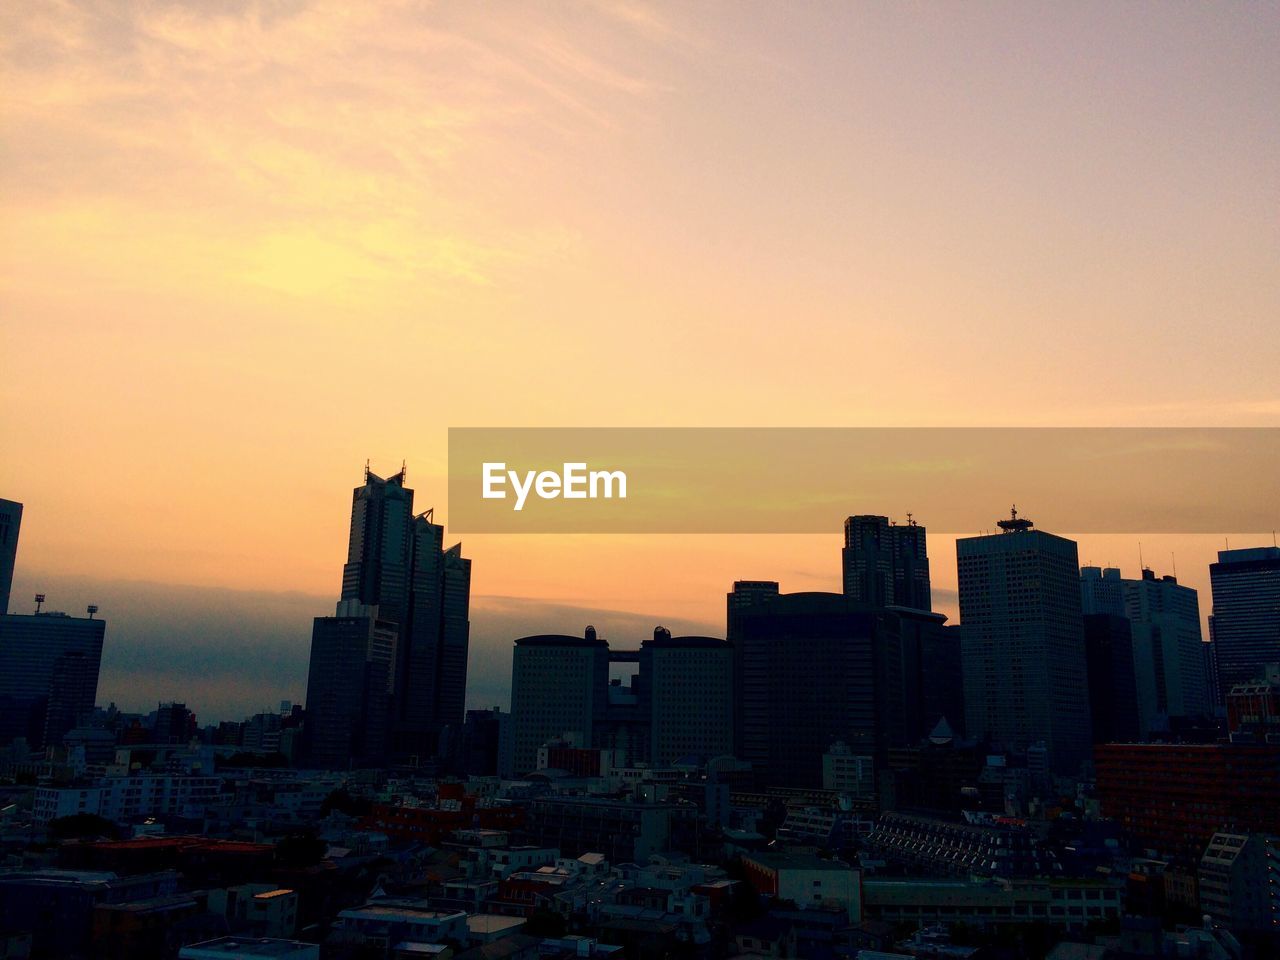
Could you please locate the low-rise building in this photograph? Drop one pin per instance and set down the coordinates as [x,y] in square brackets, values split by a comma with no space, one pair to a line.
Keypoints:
[806,880]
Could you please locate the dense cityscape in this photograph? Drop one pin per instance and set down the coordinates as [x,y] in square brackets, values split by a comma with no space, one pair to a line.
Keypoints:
[1071,771]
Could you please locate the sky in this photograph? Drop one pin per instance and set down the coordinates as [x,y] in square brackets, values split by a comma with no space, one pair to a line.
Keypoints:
[248,246]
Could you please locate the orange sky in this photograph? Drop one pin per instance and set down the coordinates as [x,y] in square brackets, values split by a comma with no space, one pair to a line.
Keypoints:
[247,246]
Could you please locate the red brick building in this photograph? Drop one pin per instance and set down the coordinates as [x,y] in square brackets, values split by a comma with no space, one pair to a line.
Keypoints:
[1173,797]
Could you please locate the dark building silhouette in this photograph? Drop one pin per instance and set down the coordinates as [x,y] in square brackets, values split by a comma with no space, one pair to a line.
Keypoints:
[174,723]
[349,688]
[805,675]
[472,748]
[1025,676]
[49,665]
[1113,693]
[1246,614]
[886,565]
[678,704]
[1168,651]
[399,570]
[10,523]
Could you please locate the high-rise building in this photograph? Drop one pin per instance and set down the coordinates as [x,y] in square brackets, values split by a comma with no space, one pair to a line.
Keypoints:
[690,691]
[806,678]
[679,703]
[559,685]
[886,564]
[1168,650]
[399,569]
[1022,637]
[49,665]
[349,687]
[1113,692]
[1246,613]
[10,523]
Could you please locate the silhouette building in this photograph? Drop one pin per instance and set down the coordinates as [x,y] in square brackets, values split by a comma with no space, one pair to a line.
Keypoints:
[1113,692]
[10,522]
[884,564]
[559,685]
[1168,651]
[404,586]
[678,705]
[1022,638]
[349,687]
[49,665]
[1245,625]
[805,666]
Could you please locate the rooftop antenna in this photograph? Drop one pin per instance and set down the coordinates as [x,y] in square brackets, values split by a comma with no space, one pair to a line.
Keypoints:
[92,608]
[39,601]
[1173,557]
[1141,565]
[366,468]
[910,519]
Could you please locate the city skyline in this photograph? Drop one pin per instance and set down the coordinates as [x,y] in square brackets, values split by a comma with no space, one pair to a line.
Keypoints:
[245,650]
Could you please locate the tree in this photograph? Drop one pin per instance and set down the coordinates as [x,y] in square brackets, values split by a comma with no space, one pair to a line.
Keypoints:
[303,849]
[83,826]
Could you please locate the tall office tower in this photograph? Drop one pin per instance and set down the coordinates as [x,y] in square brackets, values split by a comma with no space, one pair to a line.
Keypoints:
[397,563]
[1168,651]
[750,675]
[689,684]
[932,675]
[1025,678]
[559,685]
[805,678]
[10,523]
[431,668]
[1246,613]
[1101,591]
[1113,692]
[884,564]
[349,686]
[49,665]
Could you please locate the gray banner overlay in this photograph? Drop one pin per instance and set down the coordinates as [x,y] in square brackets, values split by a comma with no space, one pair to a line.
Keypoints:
[806,480]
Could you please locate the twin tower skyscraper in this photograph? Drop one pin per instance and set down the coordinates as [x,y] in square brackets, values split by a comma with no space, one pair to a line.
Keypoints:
[389,671]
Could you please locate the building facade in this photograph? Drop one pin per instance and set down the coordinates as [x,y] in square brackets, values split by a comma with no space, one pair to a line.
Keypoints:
[49,665]
[10,524]
[398,572]
[1246,613]
[886,564]
[349,688]
[1022,636]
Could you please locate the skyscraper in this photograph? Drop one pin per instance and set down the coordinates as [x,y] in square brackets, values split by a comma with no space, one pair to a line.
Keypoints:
[349,683]
[679,703]
[689,684]
[10,523]
[886,565]
[805,676]
[49,665]
[1022,638]
[401,578]
[1246,613]
[1113,692]
[559,685]
[1168,651]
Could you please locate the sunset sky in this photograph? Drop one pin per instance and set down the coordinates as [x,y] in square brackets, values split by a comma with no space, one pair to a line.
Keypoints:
[247,246]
